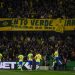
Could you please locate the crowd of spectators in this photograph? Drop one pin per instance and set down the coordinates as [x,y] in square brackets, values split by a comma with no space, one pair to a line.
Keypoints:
[37,8]
[12,43]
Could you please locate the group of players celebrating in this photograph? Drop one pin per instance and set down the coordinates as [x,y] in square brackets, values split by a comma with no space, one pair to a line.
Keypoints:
[38,57]
[28,64]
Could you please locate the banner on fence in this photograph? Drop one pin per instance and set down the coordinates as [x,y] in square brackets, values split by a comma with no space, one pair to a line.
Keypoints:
[23,24]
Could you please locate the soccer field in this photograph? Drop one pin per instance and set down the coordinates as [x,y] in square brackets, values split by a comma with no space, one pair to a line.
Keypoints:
[17,72]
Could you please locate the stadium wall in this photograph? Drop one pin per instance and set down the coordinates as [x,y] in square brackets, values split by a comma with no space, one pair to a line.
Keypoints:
[14,65]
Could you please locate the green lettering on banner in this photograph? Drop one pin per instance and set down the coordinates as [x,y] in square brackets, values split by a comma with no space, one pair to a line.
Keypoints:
[37,23]
[65,24]
[73,22]
[25,21]
[21,21]
[46,23]
[69,22]
[50,22]
[41,22]
[33,22]
[58,25]
[14,23]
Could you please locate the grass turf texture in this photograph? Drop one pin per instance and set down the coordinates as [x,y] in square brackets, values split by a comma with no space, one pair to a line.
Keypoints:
[17,72]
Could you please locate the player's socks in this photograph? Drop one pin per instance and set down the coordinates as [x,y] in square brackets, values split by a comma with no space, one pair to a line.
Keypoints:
[53,64]
[60,62]
[27,66]
[21,68]
[37,67]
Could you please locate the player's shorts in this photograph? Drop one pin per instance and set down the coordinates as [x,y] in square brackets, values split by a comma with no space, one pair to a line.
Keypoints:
[20,62]
[37,63]
[58,60]
[29,62]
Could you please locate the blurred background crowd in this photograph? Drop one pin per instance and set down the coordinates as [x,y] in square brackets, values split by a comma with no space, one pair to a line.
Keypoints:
[37,8]
[12,43]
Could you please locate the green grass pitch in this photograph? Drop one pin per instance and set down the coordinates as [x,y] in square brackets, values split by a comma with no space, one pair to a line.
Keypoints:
[18,72]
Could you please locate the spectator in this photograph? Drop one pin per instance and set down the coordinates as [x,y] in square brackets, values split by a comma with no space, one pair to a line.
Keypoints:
[37,8]
[45,43]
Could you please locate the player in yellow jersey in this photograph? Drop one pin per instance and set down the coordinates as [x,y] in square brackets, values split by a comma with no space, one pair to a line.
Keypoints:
[28,64]
[20,57]
[38,58]
[0,57]
[56,58]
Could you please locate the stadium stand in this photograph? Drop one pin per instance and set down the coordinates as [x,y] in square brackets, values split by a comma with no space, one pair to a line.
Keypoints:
[45,42]
[12,43]
[37,9]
